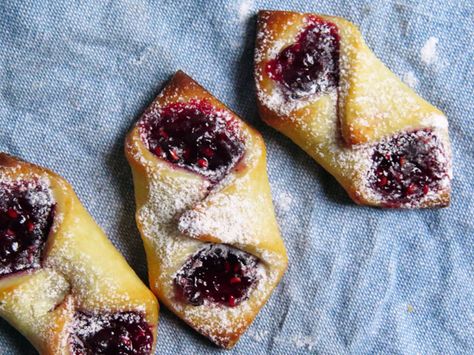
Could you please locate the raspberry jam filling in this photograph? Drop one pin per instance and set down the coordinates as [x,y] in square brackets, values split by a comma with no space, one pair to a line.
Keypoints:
[311,64]
[217,273]
[408,166]
[194,135]
[124,333]
[26,217]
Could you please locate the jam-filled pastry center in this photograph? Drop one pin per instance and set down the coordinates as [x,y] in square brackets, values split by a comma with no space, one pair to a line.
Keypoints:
[124,333]
[408,166]
[26,217]
[194,135]
[219,274]
[311,64]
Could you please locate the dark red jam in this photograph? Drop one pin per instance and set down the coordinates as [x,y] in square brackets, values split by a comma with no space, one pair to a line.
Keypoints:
[217,273]
[124,333]
[311,64]
[194,135]
[408,166]
[26,217]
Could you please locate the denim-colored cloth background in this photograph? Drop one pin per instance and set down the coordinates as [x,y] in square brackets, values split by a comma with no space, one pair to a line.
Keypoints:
[74,76]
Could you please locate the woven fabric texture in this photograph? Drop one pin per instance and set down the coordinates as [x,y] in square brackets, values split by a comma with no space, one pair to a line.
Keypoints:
[75,75]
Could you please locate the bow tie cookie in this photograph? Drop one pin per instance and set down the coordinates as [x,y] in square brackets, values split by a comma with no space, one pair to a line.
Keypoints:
[204,210]
[320,84]
[62,283]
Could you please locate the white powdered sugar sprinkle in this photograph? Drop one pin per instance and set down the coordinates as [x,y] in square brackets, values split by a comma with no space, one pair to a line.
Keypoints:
[304,342]
[410,79]
[245,10]
[283,201]
[429,51]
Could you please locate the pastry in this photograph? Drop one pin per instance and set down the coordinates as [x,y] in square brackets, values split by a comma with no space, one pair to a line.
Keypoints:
[319,84]
[62,283]
[204,210]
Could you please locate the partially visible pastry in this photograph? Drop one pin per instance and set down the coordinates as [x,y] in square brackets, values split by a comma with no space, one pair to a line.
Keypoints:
[319,84]
[204,210]
[62,283]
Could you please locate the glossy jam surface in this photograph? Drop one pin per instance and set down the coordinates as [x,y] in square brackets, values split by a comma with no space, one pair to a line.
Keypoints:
[194,135]
[26,217]
[311,64]
[125,333]
[408,166]
[219,274]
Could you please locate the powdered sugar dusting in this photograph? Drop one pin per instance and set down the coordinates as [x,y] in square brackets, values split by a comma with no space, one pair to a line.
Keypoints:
[284,201]
[410,79]
[229,217]
[29,305]
[429,51]
[437,121]
[245,10]
[304,341]
[258,335]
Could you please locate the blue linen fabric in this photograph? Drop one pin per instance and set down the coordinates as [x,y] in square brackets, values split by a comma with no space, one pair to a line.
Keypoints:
[75,75]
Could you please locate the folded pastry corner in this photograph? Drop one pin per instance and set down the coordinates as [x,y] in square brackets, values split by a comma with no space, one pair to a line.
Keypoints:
[204,210]
[62,283]
[319,84]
